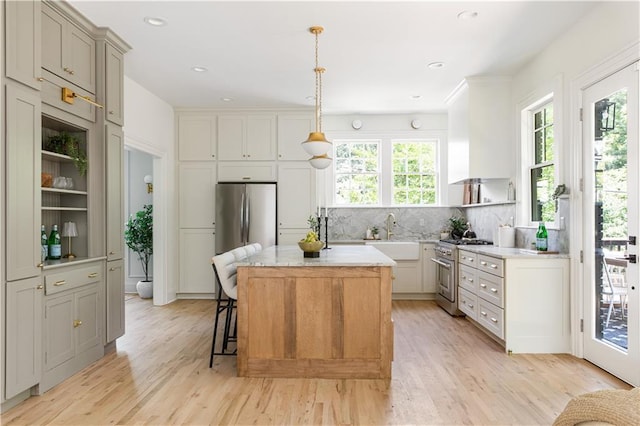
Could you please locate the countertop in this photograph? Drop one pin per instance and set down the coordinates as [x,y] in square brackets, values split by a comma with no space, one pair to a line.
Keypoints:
[511,253]
[340,255]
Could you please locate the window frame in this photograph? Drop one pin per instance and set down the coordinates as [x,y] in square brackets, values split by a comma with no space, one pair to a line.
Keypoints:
[334,173]
[328,188]
[529,161]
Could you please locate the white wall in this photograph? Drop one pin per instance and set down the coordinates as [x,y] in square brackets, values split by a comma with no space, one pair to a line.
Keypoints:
[149,127]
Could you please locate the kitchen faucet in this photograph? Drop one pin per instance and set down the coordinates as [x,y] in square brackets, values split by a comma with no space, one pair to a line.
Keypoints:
[391,220]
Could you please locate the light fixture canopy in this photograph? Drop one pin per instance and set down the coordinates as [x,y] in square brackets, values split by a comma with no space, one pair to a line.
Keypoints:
[317,144]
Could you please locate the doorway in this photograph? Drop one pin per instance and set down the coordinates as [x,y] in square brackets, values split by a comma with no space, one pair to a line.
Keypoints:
[610,208]
[138,169]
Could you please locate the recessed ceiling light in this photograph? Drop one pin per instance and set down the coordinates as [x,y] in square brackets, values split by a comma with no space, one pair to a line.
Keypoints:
[416,97]
[155,21]
[226,99]
[467,14]
[198,69]
[435,65]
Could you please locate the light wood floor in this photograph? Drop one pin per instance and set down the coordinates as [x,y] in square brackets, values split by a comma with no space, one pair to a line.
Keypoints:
[445,372]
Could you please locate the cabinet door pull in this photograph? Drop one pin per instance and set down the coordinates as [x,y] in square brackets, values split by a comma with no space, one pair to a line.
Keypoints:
[494,290]
[483,285]
[77,323]
[470,305]
[112,269]
[484,314]
[493,319]
[92,275]
[59,283]
[494,266]
[40,287]
[483,263]
[40,265]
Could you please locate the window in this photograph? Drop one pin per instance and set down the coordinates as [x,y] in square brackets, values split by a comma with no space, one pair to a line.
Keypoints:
[385,172]
[414,173]
[357,172]
[542,169]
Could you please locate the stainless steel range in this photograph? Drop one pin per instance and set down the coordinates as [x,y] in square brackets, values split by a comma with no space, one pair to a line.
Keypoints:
[446,261]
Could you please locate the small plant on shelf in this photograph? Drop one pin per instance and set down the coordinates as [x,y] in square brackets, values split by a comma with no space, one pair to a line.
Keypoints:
[66,144]
[375,232]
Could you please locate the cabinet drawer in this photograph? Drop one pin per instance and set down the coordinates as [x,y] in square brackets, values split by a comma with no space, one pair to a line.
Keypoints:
[491,265]
[491,288]
[468,279]
[468,303]
[69,279]
[491,317]
[468,258]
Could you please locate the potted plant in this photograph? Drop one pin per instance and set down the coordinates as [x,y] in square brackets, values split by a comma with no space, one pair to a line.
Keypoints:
[376,232]
[457,225]
[138,236]
[67,144]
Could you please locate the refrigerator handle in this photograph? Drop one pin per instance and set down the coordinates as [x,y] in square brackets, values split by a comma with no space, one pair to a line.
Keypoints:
[247,220]
[242,210]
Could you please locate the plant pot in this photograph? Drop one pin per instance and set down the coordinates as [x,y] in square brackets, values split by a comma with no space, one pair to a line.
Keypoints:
[145,289]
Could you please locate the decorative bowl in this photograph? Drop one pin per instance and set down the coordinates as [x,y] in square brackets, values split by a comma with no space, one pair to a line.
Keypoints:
[312,246]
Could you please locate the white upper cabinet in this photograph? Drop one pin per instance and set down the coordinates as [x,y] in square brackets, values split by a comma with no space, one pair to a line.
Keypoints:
[197,137]
[292,130]
[296,194]
[68,51]
[22,29]
[481,145]
[247,137]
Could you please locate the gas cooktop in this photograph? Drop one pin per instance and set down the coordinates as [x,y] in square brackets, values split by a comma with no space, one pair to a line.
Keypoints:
[468,242]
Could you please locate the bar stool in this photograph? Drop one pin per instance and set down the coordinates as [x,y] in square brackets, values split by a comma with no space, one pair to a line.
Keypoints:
[224,268]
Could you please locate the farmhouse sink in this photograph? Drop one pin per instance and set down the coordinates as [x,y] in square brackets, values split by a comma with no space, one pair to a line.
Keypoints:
[398,250]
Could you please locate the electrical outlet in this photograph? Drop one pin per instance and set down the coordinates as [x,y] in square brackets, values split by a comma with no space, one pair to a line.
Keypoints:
[421,222]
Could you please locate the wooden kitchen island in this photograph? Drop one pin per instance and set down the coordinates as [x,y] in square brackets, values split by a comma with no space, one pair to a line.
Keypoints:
[326,317]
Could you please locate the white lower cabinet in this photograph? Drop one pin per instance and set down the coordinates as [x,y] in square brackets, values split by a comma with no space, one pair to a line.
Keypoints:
[292,235]
[521,300]
[429,284]
[73,333]
[23,335]
[197,247]
[407,277]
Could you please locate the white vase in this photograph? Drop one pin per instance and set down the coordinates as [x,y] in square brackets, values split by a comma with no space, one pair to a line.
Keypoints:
[145,289]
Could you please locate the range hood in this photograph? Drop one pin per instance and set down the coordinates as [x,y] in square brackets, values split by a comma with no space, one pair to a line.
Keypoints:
[481,146]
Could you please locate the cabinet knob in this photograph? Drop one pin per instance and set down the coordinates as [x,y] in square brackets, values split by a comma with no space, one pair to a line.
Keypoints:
[111,113]
[40,287]
[483,285]
[493,319]
[77,323]
[40,79]
[40,265]
[112,269]
[494,290]
[484,314]
[111,252]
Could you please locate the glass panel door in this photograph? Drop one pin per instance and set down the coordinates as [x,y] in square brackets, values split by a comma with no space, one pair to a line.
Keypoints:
[610,123]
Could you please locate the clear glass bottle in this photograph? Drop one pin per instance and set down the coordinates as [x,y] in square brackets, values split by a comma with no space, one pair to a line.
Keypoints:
[541,238]
[44,243]
[55,247]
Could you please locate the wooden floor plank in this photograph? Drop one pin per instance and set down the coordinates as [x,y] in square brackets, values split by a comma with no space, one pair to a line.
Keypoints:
[445,372]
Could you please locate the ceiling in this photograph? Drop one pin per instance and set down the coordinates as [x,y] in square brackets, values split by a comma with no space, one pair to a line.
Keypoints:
[261,53]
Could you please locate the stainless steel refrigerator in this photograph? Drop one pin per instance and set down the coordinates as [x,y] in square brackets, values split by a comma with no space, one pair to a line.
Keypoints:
[245,214]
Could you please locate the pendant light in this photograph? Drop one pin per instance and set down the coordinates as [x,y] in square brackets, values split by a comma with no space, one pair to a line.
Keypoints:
[317,144]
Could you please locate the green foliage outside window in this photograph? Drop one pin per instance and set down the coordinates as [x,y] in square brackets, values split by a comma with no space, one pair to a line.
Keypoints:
[543,170]
[357,173]
[611,172]
[414,173]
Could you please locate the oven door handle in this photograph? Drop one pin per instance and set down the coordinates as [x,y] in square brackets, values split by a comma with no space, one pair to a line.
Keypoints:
[441,263]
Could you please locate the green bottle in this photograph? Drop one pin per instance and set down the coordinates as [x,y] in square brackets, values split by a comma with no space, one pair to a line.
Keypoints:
[44,242]
[55,248]
[541,237]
